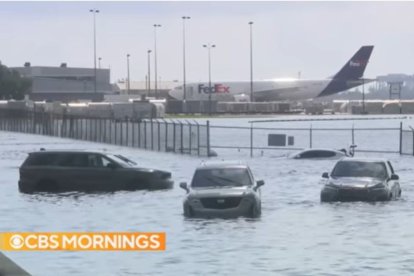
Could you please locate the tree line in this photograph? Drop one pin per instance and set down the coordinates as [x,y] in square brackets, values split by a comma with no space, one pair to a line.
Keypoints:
[12,85]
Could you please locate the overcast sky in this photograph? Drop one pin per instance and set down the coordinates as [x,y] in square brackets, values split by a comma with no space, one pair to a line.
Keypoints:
[315,38]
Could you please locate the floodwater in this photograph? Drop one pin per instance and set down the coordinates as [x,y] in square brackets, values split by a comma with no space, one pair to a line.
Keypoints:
[296,234]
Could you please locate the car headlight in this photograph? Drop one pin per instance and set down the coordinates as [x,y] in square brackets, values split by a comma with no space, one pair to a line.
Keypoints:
[378,186]
[194,200]
[330,185]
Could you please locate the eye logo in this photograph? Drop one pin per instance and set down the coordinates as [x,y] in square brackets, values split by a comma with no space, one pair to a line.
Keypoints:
[16,241]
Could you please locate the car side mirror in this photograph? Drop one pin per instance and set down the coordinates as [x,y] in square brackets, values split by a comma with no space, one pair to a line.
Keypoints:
[394,177]
[259,183]
[183,185]
[112,166]
[325,175]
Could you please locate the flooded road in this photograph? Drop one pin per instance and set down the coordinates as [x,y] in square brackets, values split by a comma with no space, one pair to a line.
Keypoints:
[296,234]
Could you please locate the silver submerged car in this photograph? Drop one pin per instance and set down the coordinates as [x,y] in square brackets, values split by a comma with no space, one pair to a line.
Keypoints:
[222,189]
[361,180]
[325,153]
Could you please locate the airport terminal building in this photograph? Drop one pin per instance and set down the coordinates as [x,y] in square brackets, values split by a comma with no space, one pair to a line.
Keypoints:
[66,84]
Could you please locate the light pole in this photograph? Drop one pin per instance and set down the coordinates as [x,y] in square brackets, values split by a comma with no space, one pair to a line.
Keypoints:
[149,72]
[251,61]
[184,84]
[99,62]
[363,96]
[209,46]
[128,82]
[155,58]
[94,12]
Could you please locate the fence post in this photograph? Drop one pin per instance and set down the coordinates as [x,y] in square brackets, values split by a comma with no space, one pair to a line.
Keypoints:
[103,120]
[110,130]
[181,138]
[208,138]
[159,135]
[133,134]
[139,133]
[152,134]
[174,136]
[401,137]
[353,135]
[166,135]
[198,139]
[145,134]
[413,142]
[90,129]
[190,137]
[251,139]
[95,122]
[127,132]
[122,132]
[310,136]
[116,132]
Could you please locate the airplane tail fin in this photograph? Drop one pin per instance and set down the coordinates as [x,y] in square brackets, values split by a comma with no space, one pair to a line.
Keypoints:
[355,67]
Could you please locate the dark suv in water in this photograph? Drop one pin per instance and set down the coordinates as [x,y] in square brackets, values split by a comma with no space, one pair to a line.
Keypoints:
[361,180]
[55,171]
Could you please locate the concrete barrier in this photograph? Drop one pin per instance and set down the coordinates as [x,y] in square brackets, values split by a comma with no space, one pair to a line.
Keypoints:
[9,268]
[374,107]
[391,107]
[407,107]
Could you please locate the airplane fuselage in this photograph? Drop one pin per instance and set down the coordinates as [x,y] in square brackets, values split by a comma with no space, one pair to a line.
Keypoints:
[348,77]
[274,90]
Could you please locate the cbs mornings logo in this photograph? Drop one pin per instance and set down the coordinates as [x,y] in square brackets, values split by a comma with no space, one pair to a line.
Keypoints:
[98,241]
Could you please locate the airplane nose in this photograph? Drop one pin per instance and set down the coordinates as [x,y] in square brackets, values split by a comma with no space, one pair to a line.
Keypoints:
[176,94]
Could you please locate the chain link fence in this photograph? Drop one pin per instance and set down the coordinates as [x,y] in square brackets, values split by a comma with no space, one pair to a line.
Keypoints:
[258,140]
[407,142]
[183,137]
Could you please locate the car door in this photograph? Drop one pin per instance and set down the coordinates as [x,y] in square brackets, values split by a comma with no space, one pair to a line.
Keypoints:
[98,175]
[85,171]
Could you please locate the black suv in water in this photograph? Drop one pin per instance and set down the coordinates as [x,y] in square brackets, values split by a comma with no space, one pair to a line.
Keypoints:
[55,171]
[361,180]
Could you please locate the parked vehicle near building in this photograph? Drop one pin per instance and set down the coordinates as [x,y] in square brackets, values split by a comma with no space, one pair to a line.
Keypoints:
[222,189]
[361,180]
[58,171]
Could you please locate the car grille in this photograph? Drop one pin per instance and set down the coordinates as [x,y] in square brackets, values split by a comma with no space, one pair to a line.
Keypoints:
[353,194]
[220,202]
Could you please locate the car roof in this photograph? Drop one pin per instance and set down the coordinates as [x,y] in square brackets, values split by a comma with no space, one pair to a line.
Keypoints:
[322,149]
[42,151]
[364,159]
[221,164]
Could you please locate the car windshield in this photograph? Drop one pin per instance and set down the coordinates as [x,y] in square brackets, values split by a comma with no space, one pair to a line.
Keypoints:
[360,169]
[121,160]
[221,177]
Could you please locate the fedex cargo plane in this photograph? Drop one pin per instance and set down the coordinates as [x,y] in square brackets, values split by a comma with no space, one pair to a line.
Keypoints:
[278,90]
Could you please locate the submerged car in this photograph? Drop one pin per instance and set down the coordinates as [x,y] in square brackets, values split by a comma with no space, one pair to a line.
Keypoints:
[319,154]
[325,153]
[361,180]
[222,189]
[56,171]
